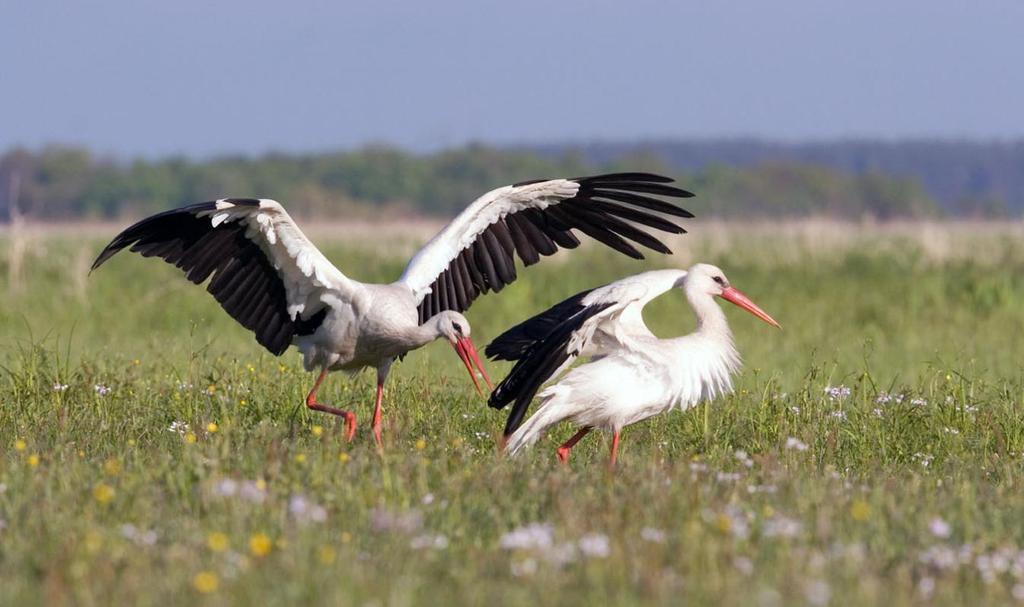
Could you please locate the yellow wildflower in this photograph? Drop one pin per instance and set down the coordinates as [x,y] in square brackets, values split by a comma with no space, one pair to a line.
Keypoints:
[212,427]
[317,430]
[300,458]
[93,541]
[327,555]
[33,460]
[261,484]
[205,582]
[860,510]
[260,544]
[19,445]
[421,444]
[112,467]
[217,541]
[346,537]
[343,457]
[191,437]
[103,493]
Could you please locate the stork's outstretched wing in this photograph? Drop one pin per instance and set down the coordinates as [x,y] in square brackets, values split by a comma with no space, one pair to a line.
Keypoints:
[266,274]
[474,253]
[590,323]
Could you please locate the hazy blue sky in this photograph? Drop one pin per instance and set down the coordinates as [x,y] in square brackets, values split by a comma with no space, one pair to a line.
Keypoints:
[202,77]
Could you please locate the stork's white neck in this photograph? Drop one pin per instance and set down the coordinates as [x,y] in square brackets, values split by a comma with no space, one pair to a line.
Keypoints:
[420,335]
[710,317]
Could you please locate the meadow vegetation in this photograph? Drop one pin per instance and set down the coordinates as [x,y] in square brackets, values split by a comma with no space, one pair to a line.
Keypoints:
[152,453]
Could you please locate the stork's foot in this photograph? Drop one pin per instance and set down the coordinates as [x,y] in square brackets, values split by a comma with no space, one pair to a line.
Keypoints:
[377,435]
[562,453]
[350,425]
[348,416]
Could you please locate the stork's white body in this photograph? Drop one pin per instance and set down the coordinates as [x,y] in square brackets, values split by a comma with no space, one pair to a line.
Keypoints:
[633,374]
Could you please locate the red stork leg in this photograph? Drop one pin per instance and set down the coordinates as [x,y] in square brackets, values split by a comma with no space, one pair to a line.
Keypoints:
[350,417]
[377,415]
[615,452]
[563,451]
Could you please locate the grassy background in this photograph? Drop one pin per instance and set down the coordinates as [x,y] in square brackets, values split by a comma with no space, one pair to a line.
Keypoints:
[918,499]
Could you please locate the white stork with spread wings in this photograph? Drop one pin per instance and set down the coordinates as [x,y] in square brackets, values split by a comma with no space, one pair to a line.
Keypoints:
[270,278]
[634,375]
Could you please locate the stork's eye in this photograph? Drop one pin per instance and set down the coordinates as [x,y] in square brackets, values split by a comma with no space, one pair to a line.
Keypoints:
[719,280]
[458,327]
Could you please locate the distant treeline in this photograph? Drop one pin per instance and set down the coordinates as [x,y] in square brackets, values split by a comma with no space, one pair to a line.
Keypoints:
[67,183]
[966,178]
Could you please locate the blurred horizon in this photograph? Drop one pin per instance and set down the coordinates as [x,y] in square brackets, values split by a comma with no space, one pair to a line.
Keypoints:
[870,109]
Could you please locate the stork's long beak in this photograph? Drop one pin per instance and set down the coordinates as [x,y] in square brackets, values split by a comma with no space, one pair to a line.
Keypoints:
[467,352]
[734,295]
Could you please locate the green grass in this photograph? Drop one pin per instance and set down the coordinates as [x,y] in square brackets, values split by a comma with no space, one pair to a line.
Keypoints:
[853,519]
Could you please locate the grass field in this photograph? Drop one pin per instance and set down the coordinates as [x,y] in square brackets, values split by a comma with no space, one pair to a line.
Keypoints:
[152,453]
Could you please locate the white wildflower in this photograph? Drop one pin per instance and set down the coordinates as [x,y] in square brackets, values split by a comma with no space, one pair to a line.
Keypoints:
[304,510]
[743,564]
[408,521]
[101,389]
[59,387]
[429,541]
[926,586]
[178,427]
[795,444]
[1018,592]
[252,491]
[560,554]
[594,545]
[818,593]
[225,487]
[940,557]
[529,537]
[525,567]
[837,392]
[139,537]
[781,526]
[651,534]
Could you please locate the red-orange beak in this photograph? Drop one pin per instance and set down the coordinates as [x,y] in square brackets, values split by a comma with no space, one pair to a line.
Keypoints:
[734,295]
[467,352]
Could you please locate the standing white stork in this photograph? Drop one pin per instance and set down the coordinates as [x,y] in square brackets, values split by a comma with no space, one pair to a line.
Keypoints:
[634,374]
[270,278]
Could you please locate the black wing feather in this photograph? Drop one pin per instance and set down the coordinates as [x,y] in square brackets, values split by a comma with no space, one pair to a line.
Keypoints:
[244,281]
[613,209]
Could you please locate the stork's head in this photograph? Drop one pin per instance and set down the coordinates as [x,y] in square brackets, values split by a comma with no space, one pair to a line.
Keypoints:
[455,328]
[705,278]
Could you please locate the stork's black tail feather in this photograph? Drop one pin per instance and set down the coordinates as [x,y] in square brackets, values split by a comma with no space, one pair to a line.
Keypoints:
[540,345]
